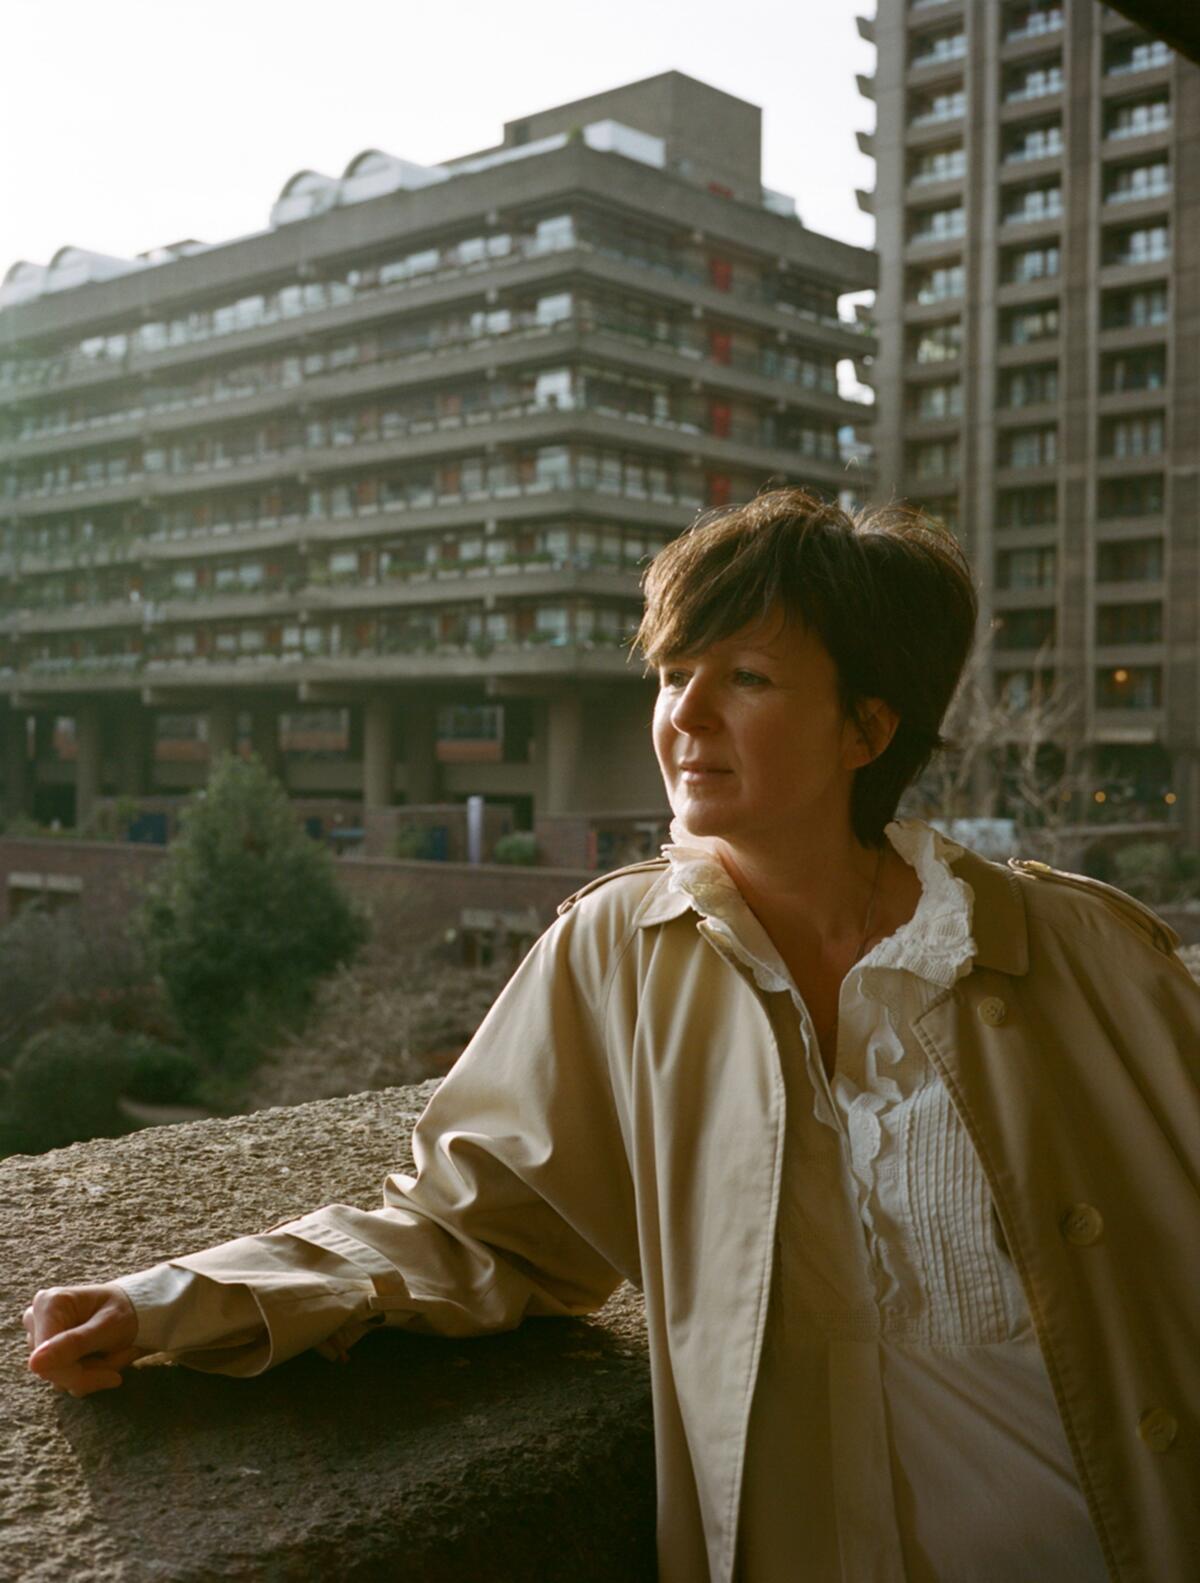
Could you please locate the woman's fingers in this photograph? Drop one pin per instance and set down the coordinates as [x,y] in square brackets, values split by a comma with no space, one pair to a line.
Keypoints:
[81,1337]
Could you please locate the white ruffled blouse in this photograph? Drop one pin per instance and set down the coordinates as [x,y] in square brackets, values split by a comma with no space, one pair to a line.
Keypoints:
[904,1429]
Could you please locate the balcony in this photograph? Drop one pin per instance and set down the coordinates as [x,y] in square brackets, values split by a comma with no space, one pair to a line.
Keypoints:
[527,264]
[943,50]
[1038,24]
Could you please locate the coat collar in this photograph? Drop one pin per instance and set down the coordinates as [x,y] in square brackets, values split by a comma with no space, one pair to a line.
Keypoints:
[997,922]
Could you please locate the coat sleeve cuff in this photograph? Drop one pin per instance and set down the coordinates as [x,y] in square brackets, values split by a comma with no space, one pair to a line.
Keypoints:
[246,1305]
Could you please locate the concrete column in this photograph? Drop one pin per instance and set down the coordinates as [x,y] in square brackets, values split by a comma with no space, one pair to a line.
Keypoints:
[222,730]
[420,752]
[560,752]
[16,763]
[88,769]
[1185,782]
[134,751]
[264,732]
[379,751]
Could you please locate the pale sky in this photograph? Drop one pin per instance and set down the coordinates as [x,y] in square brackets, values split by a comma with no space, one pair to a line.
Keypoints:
[129,124]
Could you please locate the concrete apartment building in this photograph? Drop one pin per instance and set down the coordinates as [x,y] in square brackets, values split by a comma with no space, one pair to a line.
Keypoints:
[1038,216]
[373,486]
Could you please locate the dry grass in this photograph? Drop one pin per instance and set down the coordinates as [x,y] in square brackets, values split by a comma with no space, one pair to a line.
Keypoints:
[392,1018]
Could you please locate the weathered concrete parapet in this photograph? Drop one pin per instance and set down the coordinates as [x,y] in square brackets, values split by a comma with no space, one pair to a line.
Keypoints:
[520,1457]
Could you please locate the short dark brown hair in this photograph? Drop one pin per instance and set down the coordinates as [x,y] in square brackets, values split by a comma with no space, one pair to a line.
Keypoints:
[888,591]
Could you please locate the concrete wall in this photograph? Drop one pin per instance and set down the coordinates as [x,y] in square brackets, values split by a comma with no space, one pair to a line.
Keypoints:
[523,1458]
[113,873]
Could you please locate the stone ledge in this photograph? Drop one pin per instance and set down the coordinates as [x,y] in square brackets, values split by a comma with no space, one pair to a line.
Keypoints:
[510,1458]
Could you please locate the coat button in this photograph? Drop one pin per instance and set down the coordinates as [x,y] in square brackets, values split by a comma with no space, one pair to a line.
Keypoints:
[1082,1225]
[992,1011]
[1157,1428]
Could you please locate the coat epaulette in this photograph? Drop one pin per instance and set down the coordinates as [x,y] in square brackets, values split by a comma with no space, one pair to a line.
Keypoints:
[1133,913]
[656,864]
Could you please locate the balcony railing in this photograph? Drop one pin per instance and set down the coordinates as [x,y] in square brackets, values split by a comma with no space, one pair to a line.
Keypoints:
[768,364]
[49,372]
[1038,25]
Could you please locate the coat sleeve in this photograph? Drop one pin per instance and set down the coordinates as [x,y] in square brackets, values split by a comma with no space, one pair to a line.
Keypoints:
[522,1203]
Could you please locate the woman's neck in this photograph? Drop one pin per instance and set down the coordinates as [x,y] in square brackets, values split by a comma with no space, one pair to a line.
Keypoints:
[835,894]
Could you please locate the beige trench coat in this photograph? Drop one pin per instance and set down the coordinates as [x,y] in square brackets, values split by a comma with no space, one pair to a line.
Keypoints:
[620,1114]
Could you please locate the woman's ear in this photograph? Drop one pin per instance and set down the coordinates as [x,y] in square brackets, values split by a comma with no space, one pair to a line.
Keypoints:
[872,732]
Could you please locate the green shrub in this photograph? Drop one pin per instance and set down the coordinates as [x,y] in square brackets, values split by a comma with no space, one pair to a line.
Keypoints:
[519,846]
[72,966]
[246,914]
[65,1086]
[412,841]
[157,1074]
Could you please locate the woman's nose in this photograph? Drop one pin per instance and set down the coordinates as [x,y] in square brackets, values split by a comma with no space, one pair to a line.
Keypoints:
[692,710]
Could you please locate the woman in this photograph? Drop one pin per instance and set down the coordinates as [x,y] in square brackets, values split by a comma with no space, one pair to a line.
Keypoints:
[894,1141]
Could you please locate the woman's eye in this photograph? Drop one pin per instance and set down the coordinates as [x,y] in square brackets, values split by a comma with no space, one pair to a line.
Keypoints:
[749,679]
[673,678]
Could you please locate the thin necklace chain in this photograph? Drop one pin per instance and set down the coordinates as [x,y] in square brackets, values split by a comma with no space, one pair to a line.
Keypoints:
[870,908]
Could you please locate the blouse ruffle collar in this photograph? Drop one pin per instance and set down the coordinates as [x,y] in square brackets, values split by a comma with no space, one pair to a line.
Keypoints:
[936,944]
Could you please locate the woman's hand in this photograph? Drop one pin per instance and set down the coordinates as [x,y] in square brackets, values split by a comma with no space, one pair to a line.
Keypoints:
[81,1337]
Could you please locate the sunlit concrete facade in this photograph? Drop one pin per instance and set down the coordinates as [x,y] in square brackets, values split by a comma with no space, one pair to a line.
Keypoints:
[379,479]
[1038,377]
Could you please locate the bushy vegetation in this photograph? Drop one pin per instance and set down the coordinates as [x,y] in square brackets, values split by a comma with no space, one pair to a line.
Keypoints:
[246,916]
[519,846]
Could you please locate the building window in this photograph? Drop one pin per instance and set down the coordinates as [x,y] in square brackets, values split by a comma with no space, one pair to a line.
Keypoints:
[1029,387]
[1123,55]
[935,48]
[937,225]
[1142,244]
[1034,568]
[929,286]
[929,109]
[938,164]
[1143,368]
[1028,507]
[1029,447]
[1138,117]
[1033,80]
[1142,434]
[1019,265]
[1020,326]
[1130,561]
[1131,497]
[1140,623]
[1129,687]
[934,459]
[1032,20]
[938,401]
[1036,140]
[1039,201]
[1134,307]
[1017,690]
[936,343]
[1131,183]
[1025,629]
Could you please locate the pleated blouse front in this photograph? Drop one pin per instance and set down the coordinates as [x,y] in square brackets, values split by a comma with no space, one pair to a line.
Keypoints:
[903,1429]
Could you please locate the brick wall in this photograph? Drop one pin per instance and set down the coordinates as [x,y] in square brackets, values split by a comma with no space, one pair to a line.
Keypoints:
[432,896]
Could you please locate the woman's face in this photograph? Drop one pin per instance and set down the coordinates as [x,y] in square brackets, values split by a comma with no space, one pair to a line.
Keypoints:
[751,738]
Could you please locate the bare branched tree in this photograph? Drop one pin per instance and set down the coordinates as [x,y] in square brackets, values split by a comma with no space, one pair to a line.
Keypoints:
[1014,747]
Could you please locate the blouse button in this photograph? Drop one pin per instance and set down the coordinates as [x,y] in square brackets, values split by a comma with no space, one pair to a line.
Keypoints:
[992,1011]
[1157,1428]
[1082,1225]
